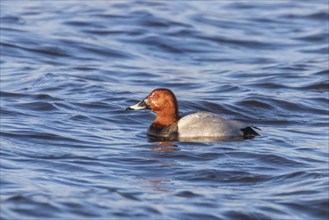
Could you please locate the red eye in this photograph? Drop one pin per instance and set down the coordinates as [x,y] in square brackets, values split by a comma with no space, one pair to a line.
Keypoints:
[155,96]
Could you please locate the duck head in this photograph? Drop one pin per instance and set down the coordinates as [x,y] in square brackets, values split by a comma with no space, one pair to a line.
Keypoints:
[163,103]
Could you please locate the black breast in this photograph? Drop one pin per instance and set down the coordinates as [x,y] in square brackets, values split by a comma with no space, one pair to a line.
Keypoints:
[163,132]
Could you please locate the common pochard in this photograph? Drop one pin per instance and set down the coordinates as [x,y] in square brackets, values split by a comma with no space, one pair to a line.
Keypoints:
[169,125]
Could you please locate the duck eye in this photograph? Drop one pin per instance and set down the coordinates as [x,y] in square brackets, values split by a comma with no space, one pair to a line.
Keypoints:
[155,96]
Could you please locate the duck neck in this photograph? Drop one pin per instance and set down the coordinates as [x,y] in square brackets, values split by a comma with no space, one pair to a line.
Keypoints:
[165,120]
[167,116]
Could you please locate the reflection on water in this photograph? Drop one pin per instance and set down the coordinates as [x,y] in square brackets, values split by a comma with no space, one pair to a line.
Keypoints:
[165,146]
[70,151]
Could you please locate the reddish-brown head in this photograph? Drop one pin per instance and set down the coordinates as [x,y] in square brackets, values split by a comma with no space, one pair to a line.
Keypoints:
[163,102]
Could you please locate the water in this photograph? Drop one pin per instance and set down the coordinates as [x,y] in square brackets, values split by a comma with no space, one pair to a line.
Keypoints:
[70,68]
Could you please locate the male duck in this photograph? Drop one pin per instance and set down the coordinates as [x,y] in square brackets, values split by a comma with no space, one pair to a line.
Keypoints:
[170,126]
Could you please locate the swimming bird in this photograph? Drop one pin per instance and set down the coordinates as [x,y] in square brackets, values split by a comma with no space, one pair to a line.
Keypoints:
[169,125]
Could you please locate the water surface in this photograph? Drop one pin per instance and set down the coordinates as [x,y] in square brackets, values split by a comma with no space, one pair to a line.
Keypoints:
[70,68]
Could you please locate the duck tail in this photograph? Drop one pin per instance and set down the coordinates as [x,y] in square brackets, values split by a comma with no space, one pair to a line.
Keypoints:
[249,132]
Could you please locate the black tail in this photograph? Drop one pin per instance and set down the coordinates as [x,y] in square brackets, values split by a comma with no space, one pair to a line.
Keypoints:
[249,132]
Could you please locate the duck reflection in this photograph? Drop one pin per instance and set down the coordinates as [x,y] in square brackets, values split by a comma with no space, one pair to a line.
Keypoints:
[165,146]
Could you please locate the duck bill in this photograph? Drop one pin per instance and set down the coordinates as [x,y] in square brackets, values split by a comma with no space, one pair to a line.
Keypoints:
[139,106]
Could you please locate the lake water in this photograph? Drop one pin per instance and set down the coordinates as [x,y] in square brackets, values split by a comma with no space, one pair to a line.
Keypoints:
[70,68]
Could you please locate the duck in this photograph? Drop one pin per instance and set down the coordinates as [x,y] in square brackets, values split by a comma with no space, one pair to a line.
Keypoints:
[169,125]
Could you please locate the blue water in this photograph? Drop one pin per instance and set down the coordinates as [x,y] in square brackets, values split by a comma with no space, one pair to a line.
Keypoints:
[70,68]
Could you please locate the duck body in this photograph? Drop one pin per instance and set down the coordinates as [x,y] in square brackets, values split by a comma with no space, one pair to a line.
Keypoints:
[206,124]
[170,126]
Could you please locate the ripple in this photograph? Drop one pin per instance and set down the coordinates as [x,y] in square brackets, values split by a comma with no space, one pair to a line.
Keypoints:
[316,86]
[254,103]
[36,106]
[27,206]
[42,49]
[186,194]
[227,176]
[101,50]
[12,20]
[280,161]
